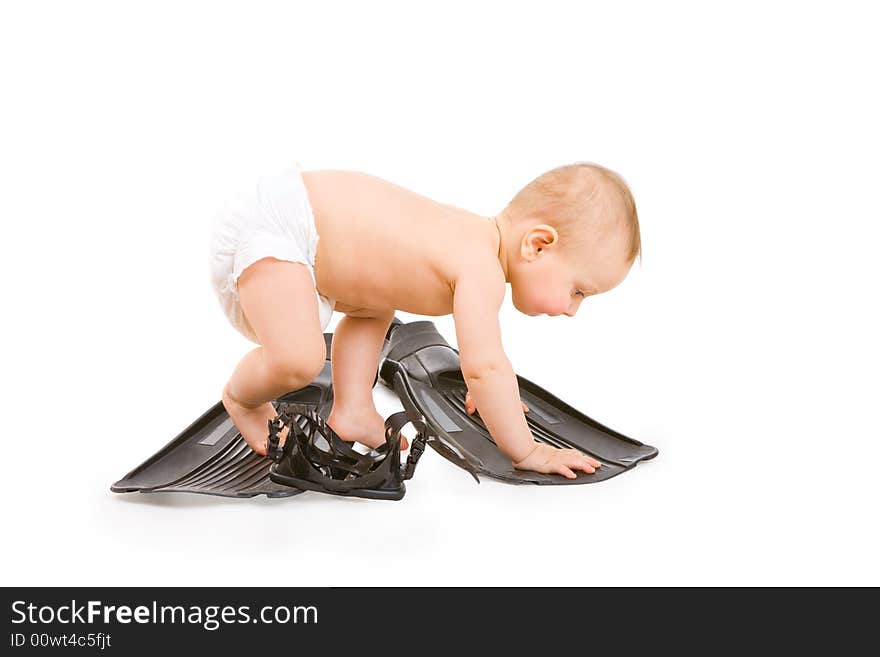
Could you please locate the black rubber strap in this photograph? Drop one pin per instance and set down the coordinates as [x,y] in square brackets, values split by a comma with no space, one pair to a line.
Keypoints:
[338,467]
[394,424]
[348,469]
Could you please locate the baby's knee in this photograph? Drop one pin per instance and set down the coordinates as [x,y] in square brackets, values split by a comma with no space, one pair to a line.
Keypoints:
[296,367]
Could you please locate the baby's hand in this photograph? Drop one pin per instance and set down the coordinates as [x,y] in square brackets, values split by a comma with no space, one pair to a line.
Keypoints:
[551,460]
[470,406]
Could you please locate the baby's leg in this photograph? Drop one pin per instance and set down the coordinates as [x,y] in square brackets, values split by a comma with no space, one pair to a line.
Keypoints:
[357,343]
[278,299]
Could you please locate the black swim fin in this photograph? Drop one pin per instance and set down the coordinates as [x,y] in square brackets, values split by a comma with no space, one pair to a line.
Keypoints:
[425,372]
[211,457]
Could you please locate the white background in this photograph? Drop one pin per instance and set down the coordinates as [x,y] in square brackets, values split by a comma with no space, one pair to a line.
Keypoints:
[744,346]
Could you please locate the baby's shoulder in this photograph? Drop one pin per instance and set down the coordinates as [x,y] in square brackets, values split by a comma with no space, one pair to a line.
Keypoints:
[475,264]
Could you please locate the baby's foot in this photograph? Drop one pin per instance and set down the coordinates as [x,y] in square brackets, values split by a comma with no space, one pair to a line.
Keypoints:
[364,426]
[252,422]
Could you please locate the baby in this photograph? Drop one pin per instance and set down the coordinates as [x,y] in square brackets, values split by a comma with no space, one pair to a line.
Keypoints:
[571,233]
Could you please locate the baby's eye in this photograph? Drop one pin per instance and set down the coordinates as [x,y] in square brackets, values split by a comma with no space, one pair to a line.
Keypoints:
[578,293]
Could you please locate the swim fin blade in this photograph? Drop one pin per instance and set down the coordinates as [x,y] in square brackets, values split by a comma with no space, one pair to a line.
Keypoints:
[425,372]
[212,458]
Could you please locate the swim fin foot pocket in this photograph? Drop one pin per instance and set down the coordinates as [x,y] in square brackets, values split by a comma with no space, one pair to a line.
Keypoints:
[211,457]
[314,457]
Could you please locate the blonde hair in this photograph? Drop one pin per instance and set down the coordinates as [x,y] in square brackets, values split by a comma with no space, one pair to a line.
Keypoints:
[572,198]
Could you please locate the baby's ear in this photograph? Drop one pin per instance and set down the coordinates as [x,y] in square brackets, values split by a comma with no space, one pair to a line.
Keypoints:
[537,239]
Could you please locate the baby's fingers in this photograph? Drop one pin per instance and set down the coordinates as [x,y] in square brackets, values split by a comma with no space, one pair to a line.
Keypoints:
[577,461]
[469,405]
[582,464]
[565,472]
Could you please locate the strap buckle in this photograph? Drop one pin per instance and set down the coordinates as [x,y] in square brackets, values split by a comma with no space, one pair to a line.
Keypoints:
[415,453]
[274,450]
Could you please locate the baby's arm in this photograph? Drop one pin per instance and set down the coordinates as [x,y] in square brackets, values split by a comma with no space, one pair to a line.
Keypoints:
[492,384]
[487,371]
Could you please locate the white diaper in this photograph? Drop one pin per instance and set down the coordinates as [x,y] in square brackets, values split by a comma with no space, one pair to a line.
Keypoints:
[275,221]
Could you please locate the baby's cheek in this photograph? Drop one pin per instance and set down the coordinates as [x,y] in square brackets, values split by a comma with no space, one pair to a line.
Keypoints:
[528,297]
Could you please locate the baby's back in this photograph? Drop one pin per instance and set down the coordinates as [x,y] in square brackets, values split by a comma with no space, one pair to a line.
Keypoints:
[382,246]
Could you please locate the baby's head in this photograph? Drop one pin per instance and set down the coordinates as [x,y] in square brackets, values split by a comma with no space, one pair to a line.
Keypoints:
[571,233]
